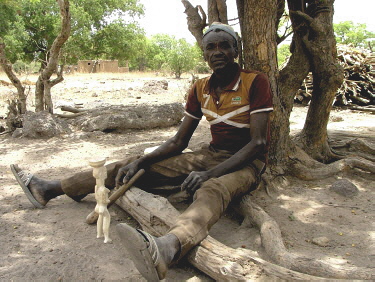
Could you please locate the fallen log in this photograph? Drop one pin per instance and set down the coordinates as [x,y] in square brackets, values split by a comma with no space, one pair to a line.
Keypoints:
[156,215]
[119,117]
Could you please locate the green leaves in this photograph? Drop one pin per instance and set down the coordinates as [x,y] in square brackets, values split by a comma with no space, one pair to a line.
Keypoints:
[100,29]
[165,52]
[356,34]
[283,53]
[182,57]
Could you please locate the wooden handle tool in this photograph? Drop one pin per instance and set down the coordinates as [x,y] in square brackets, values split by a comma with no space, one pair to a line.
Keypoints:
[93,216]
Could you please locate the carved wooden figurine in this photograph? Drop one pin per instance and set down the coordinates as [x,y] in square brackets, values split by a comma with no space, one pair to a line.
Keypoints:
[101,197]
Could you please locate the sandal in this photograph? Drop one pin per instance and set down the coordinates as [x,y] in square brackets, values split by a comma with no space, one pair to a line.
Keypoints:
[23,178]
[143,251]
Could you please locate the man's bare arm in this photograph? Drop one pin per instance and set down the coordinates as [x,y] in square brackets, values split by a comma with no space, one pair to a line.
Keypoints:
[171,147]
[257,145]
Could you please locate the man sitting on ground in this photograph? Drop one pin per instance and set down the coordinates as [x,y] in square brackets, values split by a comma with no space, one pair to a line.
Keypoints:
[237,104]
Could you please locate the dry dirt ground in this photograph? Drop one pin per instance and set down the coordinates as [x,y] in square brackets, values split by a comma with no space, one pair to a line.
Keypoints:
[56,244]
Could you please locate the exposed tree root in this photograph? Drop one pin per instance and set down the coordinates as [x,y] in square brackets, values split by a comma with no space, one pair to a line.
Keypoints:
[275,248]
[306,168]
[156,215]
[321,152]
[357,145]
[72,109]
[70,115]
[305,172]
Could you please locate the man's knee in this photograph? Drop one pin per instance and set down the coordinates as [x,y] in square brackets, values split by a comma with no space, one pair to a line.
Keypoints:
[213,190]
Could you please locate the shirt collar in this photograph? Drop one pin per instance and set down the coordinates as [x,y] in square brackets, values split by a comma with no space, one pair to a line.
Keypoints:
[233,86]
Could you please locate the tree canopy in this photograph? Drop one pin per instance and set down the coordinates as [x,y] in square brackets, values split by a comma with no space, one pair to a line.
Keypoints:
[357,35]
[163,51]
[28,29]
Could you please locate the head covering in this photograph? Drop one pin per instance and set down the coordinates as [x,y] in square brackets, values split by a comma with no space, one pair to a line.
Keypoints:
[223,27]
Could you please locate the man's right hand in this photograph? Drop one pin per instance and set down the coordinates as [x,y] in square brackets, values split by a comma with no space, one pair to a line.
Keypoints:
[125,173]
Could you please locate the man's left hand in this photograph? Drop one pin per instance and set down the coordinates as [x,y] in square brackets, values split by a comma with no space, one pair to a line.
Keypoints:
[194,181]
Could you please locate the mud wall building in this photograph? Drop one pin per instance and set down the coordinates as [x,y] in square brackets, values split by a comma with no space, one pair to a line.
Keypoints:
[96,66]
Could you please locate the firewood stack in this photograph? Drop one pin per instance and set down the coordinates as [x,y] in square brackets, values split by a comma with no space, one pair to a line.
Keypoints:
[358,88]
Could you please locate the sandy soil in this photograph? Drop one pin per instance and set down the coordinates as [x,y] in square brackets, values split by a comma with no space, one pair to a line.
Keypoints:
[56,244]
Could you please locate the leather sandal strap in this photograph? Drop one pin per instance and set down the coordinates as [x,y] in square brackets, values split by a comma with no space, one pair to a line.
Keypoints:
[25,177]
[152,247]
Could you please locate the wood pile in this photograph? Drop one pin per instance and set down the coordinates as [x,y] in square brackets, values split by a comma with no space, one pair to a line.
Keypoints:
[358,88]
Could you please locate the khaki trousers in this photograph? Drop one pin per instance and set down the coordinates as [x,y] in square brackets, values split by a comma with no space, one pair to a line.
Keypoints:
[209,201]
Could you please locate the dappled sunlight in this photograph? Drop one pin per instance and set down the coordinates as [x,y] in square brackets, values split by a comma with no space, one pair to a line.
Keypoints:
[307,212]
[34,153]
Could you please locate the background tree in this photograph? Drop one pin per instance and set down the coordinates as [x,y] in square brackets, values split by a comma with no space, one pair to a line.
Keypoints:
[43,98]
[44,84]
[182,57]
[102,29]
[163,51]
[283,53]
[355,34]
[11,48]
[30,28]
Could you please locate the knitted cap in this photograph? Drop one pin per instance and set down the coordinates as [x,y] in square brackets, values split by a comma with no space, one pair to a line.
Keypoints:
[223,27]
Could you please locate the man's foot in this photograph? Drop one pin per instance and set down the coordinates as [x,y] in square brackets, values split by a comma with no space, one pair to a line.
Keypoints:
[37,190]
[152,256]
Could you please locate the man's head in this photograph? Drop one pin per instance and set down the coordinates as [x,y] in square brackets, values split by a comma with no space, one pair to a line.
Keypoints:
[220,46]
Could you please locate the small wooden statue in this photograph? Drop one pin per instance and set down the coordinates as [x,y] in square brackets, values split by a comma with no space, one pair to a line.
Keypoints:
[101,197]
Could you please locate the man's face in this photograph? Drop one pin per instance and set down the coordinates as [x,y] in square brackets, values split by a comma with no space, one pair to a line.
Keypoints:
[219,50]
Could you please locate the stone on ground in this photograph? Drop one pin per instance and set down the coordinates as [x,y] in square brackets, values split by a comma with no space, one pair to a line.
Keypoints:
[344,188]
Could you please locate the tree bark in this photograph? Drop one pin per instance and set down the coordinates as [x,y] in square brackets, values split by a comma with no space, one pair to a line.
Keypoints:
[320,44]
[44,84]
[217,11]
[7,67]
[258,28]
[196,23]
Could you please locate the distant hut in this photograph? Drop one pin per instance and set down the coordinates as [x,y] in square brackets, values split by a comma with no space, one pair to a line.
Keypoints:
[95,66]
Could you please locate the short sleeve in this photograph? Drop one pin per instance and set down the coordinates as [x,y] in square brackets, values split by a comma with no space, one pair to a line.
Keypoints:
[260,95]
[193,106]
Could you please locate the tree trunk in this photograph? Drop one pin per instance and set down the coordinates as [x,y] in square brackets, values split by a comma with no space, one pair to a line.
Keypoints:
[47,89]
[42,98]
[39,95]
[258,28]
[7,67]
[217,11]
[320,44]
